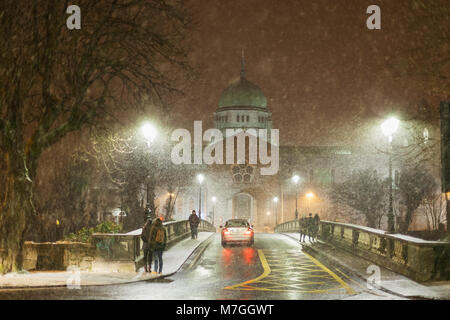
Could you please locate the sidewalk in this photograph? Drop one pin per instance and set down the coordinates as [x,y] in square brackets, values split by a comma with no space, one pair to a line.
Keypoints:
[391,282]
[173,259]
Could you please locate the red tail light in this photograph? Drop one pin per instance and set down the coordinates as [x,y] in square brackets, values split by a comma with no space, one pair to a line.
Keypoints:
[225,231]
[249,231]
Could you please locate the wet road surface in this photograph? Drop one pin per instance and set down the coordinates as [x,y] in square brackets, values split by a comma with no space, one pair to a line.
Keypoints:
[274,268]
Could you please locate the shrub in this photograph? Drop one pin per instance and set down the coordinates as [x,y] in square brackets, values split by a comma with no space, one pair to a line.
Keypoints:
[84,235]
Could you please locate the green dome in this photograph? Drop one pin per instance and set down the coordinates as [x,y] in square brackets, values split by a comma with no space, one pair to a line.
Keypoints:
[242,93]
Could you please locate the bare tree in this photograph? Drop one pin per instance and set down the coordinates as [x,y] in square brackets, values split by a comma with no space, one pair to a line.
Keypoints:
[415,183]
[54,81]
[65,198]
[435,210]
[365,193]
[138,169]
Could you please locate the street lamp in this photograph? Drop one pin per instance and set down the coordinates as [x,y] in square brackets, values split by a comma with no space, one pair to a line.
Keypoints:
[309,195]
[214,199]
[389,127]
[275,200]
[296,179]
[200,178]
[149,132]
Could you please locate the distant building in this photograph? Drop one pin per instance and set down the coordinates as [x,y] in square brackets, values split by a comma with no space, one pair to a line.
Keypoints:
[242,192]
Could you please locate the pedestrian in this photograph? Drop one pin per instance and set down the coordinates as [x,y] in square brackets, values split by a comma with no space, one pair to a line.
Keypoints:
[145,236]
[309,226]
[158,243]
[315,229]
[302,230]
[193,223]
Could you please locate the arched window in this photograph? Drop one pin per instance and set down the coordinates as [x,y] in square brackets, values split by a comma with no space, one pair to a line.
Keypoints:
[237,118]
[242,119]
[248,118]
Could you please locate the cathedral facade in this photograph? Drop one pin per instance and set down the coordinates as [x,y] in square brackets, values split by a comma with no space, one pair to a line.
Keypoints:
[240,191]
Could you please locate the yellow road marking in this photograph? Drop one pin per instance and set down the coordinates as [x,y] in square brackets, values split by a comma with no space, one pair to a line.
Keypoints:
[266,272]
[246,287]
[335,276]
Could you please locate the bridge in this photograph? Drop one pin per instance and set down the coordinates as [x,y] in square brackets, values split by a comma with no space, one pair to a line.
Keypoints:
[276,267]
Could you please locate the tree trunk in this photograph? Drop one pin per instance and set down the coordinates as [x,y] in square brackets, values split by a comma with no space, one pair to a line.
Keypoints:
[15,209]
[447,195]
[371,221]
[405,223]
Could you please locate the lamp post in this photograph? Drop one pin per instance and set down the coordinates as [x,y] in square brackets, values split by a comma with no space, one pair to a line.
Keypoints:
[296,179]
[200,178]
[214,199]
[275,200]
[389,127]
[149,132]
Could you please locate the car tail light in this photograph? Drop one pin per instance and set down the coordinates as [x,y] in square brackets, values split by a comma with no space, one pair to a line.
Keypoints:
[249,231]
[225,231]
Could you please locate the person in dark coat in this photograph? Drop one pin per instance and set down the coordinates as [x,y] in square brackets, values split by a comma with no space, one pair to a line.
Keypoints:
[309,226]
[302,229]
[193,222]
[145,236]
[158,243]
[315,227]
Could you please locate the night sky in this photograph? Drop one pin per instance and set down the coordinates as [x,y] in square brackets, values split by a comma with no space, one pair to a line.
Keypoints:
[323,72]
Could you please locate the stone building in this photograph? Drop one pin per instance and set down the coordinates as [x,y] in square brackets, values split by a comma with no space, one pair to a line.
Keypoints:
[240,191]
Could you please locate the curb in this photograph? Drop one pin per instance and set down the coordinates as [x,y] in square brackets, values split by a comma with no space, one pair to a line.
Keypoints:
[330,259]
[195,255]
[194,252]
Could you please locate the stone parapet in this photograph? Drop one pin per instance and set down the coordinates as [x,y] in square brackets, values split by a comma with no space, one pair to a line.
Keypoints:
[415,258]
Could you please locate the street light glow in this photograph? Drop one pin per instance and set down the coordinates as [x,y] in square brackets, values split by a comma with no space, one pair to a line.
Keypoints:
[310,195]
[268,213]
[149,131]
[214,199]
[200,178]
[390,126]
[295,179]
[275,199]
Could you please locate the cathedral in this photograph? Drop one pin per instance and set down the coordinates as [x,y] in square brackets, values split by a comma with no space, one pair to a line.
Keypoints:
[240,191]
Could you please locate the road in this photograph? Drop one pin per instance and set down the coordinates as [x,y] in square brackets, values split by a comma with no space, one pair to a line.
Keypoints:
[274,268]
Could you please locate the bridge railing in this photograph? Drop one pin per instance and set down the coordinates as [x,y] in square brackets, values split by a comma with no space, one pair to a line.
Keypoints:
[106,252]
[416,258]
[123,252]
[289,226]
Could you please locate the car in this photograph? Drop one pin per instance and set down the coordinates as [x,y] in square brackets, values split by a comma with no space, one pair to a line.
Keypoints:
[237,231]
